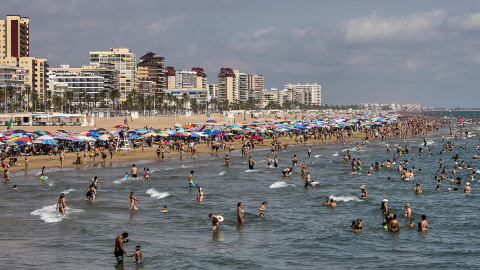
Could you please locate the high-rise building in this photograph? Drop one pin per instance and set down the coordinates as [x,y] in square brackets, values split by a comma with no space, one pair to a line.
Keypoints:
[170,77]
[201,78]
[152,68]
[36,78]
[14,37]
[307,94]
[255,82]
[212,90]
[123,60]
[226,85]
[185,79]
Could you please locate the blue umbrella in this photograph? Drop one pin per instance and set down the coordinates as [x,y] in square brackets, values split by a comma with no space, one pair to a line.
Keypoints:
[20,142]
[49,142]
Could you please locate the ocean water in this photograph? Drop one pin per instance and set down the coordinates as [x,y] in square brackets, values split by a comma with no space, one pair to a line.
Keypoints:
[299,232]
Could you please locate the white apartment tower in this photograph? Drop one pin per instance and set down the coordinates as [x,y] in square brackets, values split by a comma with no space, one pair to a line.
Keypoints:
[123,60]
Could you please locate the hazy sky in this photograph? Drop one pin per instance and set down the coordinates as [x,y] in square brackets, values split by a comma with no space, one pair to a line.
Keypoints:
[359,51]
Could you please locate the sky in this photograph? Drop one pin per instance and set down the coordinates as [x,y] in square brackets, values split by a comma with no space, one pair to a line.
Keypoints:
[425,52]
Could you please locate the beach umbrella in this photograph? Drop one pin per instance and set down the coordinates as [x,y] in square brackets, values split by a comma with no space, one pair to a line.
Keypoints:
[45,137]
[77,140]
[20,142]
[194,135]
[150,134]
[61,130]
[19,131]
[177,125]
[119,126]
[47,132]
[39,132]
[49,142]
[73,132]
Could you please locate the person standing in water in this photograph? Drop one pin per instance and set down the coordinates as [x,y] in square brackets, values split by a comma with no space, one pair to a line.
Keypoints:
[408,210]
[240,213]
[215,221]
[200,193]
[251,163]
[423,226]
[393,225]
[134,172]
[61,204]
[190,179]
[262,209]
[119,251]
[132,200]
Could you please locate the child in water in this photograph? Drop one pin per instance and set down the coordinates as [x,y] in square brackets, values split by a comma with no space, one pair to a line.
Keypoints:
[138,254]
[126,175]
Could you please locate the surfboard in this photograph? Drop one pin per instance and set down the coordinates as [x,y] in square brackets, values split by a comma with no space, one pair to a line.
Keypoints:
[220,218]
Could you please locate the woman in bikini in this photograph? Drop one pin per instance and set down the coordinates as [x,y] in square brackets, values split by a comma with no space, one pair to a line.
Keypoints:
[132,200]
[240,213]
[61,205]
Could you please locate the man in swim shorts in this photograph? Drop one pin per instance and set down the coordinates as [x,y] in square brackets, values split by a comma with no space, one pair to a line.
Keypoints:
[119,251]
[134,172]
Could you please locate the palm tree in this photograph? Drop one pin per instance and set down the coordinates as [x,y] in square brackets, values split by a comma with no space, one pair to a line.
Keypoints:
[114,94]
[48,99]
[34,98]
[185,99]
[68,99]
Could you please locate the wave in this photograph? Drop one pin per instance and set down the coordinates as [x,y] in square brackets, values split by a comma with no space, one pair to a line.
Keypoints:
[280,184]
[344,198]
[50,184]
[335,154]
[183,166]
[119,181]
[316,156]
[50,214]
[254,170]
[222,173]
[68,191]
[156,194]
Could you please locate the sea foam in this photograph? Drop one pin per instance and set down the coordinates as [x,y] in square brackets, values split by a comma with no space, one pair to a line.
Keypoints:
[156,194]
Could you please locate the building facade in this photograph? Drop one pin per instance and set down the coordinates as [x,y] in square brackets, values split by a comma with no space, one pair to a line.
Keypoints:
[123,60]
[170,77]
[226,85]
[185,79]
[14,37]
[152,68]
[87,80]
[306,94]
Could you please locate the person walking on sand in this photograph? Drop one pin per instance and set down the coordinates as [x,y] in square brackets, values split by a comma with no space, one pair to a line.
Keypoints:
[132,200]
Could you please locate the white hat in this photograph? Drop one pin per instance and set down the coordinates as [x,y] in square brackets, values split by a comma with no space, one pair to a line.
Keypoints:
[468,183]
[385,200]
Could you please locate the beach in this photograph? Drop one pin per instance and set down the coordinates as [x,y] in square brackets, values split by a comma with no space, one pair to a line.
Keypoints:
[298,230]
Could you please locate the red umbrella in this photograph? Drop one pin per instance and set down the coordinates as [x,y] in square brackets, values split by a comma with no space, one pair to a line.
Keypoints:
[47,132]
[119,126]
[25,139]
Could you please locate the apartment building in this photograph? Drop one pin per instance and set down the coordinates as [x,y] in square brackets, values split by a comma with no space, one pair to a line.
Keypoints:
[152,68]
[307,94]
[14,37]
[121,59]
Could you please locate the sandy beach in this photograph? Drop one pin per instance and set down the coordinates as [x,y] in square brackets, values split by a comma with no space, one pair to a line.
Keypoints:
[147,153]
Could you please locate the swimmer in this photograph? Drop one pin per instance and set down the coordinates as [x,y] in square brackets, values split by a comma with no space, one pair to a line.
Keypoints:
[132,200]
[423,226]
[215,221]
[262,209]
[327,201]
[61,205]
[125,176]
[308,180]
[364,192]
[240,213]
[251,163]
[393,225]
[411,224]
[287,172]
[147,174]
[164,210]
[91,192]
[227,160]
[134,171]
[138,254]
[200,193]
[408,210]
[190,179]
[332,203]
[15,187]
[418,189]
[467,188]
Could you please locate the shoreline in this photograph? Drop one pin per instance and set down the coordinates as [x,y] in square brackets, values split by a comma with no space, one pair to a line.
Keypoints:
[125,157]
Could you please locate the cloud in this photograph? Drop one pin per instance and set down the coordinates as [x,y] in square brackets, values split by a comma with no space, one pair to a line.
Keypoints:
[167,23]
[376,27]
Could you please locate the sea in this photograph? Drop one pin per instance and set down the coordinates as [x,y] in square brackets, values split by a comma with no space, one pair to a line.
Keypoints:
[298,232]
